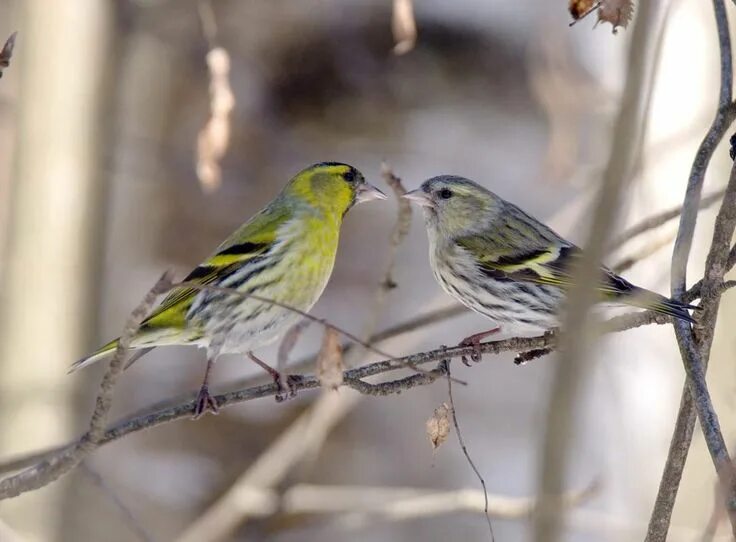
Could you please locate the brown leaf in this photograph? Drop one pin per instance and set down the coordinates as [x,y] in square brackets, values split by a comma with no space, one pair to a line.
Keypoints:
[329,361]
[580,8]
[616,12]
[214,138]
[438,426]
[7,52]
[404,26]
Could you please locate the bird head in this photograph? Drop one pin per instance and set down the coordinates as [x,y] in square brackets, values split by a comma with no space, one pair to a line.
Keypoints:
[454,206]
[332,187]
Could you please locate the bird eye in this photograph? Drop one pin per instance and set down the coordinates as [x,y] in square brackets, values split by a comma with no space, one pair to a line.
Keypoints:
[349,176]
[445,193]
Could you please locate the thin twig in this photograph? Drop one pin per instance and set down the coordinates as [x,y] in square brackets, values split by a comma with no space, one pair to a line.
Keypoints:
[209,22]
[52,468]
[411,325]
[642,253]
[393,503]
[464,448]
[662,218]
[183,409]
[392,387]
[694,358]
[130,520]
[244,295]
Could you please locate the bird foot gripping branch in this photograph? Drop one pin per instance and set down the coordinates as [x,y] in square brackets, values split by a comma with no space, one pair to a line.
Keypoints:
[475,341]
[205,403]
[286,384]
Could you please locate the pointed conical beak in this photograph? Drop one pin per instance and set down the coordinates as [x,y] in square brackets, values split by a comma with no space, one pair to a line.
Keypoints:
[419,197]
[368,192]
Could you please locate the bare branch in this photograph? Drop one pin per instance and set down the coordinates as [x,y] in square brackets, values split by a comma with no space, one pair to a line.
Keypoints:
[158,416]
[52,468]
[236,293]
[394,503]
[464,448]
[695,354]
[352,378]
[662,218]
[643,253]
[125,511]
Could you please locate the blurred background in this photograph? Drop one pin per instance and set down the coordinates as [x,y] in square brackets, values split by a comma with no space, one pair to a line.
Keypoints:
[100,112]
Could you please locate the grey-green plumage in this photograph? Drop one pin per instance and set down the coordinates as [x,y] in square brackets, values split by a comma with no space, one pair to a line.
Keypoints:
[501,262]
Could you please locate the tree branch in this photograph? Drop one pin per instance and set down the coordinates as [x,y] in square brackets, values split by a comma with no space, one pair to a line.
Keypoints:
[578,331]
[52,468]
[662,218]
[695,354]
[159,416]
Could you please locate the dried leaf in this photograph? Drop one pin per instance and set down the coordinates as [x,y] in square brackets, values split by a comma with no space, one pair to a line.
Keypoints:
[7,52]
[616,12]
[213,140]
[438,426]
[404,26]
[329,361]
[581,8]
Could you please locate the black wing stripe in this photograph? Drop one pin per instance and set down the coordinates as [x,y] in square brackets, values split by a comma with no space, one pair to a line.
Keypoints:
[523,258]
[243,248]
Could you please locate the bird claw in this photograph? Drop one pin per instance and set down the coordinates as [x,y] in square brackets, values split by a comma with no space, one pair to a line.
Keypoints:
[205,403]
[287,386]
[475,355]
[475,341]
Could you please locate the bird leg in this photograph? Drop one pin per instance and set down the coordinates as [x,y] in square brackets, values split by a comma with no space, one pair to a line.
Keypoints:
[474,341]
[205,401]
[287,389]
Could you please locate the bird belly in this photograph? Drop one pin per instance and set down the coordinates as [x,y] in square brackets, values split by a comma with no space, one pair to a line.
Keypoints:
[516,306]
[235,324]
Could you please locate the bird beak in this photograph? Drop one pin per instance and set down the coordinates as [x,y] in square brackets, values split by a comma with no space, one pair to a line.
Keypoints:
[368,192]
[419,197]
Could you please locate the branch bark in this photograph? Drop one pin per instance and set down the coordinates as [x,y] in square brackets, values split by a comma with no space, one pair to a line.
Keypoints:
[57,465]
[351,377]
[695,351]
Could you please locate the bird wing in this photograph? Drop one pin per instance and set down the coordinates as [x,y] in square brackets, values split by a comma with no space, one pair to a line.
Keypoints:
[249,242]
[549,265]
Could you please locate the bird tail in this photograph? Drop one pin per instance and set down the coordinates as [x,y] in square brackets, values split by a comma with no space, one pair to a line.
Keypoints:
[673,308]
[649,300]
[105,351]
[95,356]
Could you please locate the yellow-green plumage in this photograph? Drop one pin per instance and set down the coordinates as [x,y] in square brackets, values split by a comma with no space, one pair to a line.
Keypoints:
[285,253]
